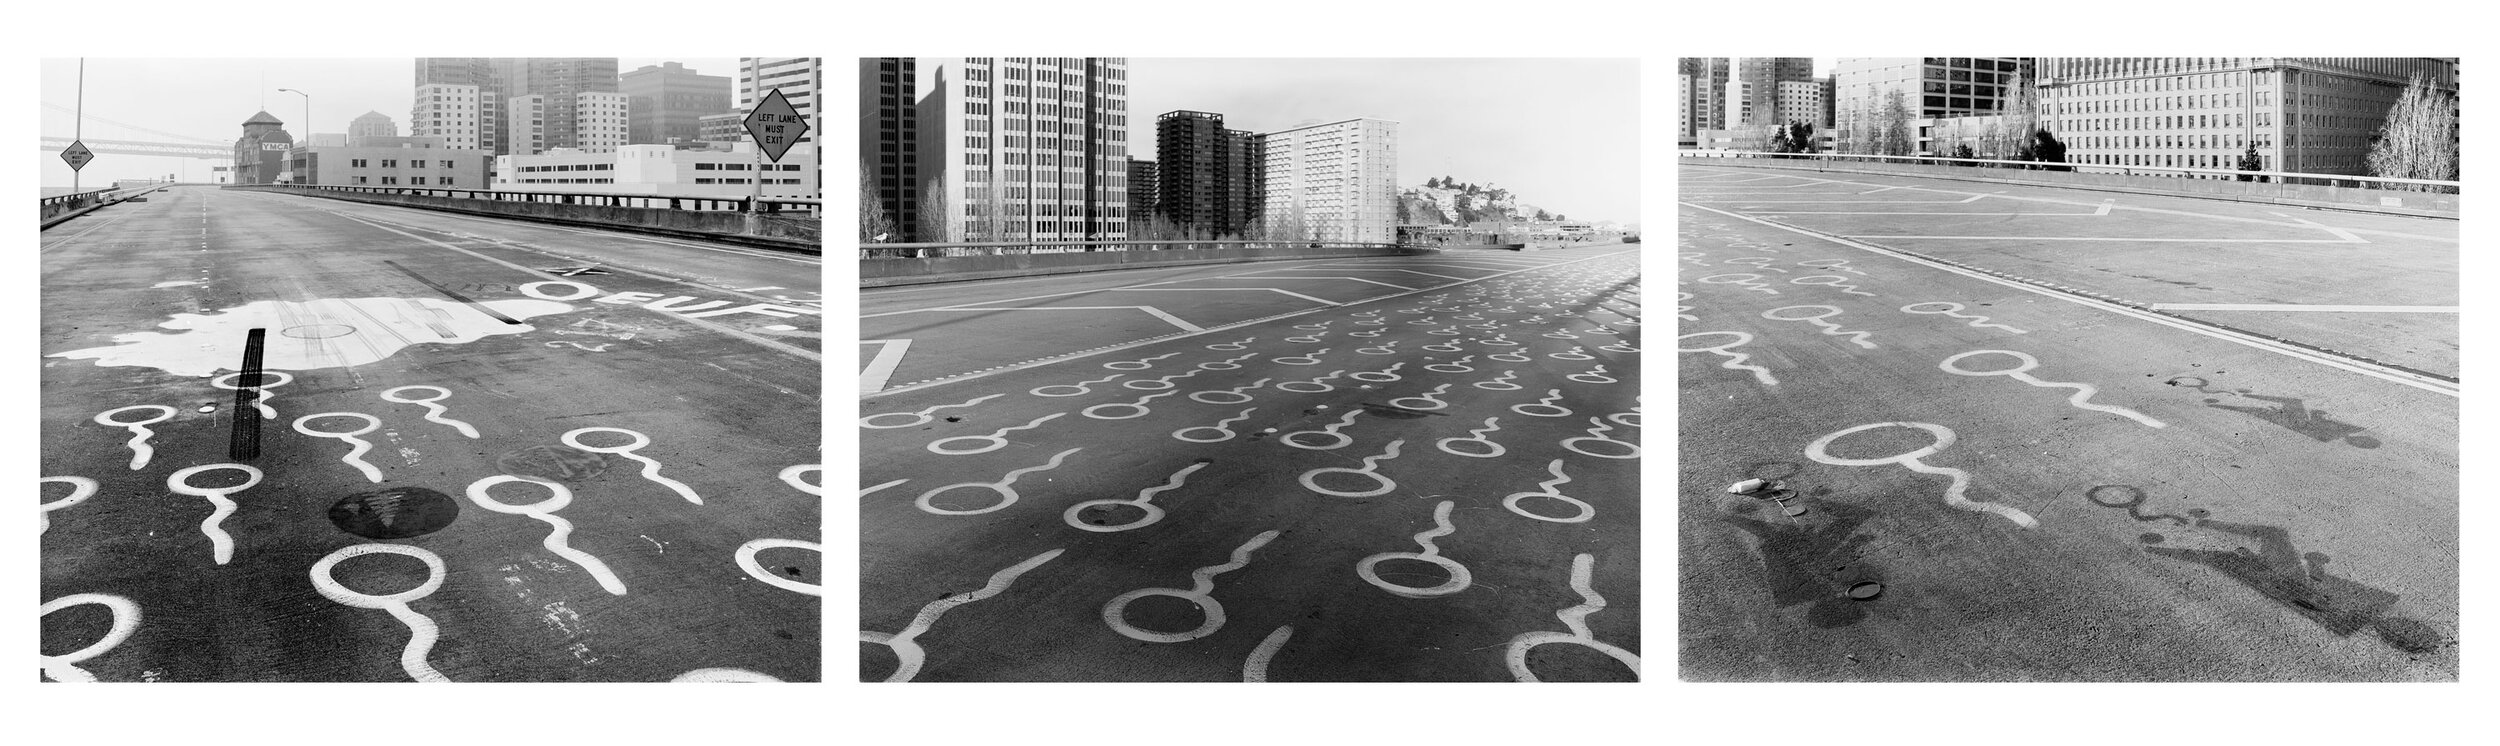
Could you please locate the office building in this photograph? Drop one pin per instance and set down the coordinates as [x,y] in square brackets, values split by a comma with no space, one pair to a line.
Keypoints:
[1144,183]
[600,121]
[2302,114]
[1335,181]
[889,138]
[728,127]
[1754,93]
[798,78]
[424,161]
[1802,101]
[260,155]
[1024,148]
[666,102]
[1208,179]
[372,124]
[498,80]
[1931,88]
[1704,91]
[455,113]
[662,170]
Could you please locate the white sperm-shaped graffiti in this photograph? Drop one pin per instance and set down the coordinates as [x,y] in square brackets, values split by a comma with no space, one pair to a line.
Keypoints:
[1735,360]
[2082,398]
[1137,364]
[1459,577]
[433,412]
[64,667]
[1474,436]
[1546,489]
[140,451]
[790,476]
[650,468]
[1819,451]
[1597,436]
[1007,494]
[261,395]
[1233,395]
[356,446]
[754,569]
[1819,313]
[559,530]
[906,645]
[80,488]
[421,629]
[1136,408]
[1950,309]
[1218,432]
[1574,618]
[996,440]
[1144,502]
[1424,402]
[1370,470]
[1202,583]
[220,544]
[1544,407]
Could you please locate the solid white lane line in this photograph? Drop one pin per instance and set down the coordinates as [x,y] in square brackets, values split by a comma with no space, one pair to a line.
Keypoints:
[2415,380]
[2301,308]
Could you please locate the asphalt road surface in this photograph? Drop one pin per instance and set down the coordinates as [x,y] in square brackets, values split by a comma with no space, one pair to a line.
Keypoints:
[296,439]
[1381,469]
[2036,434]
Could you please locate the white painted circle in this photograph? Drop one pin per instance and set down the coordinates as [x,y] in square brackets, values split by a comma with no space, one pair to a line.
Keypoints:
[1818,449]
[125,621]
[1006,496]
[1631,451]
[1425,398]
[1206,397]
[1154,384]
[747,562]
[1341,440]
[916,419]
[106,417]
[180,481]
[1220,365]
[283,379]
[1321,387]
[1742,339]
[1828,312]
[440,394]
[1379,376]
[1748,279]
[790,475]
[1129,365]
[1497,385]
[995,443]
[80,488]
[372,423]
[1141,411]
[1149,517]
[2028,363]
[1556,411]
[1835,280]
[1113,614]
[1459,577]
[1310,479]
[1079,389]
[1458,367]
[1222,434]
[1508,357]
[1949,307]
[332,589]
[558,496]
[1572,354]
[1444,445]
[1311,359]
[1587,511]
[1444,347]
[573,439]
[723,676]
[1519,647]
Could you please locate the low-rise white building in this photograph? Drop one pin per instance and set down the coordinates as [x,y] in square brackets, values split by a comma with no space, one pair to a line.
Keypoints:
[661,170]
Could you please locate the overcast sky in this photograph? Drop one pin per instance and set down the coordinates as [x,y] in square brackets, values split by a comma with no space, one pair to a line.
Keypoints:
[209,99]
[1562,134]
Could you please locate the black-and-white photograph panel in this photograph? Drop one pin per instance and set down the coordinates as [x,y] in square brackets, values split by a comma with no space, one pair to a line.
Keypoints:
[2068,368]
[1262,370]
[431,369]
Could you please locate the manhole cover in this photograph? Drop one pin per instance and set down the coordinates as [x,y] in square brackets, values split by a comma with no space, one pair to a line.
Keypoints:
[396,513]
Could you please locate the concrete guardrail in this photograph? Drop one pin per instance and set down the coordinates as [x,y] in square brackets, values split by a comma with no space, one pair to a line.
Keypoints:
[800,235]
[877,272]
[2362,199]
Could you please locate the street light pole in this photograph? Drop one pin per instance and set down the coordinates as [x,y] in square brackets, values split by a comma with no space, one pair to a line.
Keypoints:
[306,143]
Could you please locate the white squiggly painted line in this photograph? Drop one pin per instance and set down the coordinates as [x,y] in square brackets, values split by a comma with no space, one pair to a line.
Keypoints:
[1735,360]
[905,644]
[1254,670]
[650,468]
[1007,493]
[433,412]
[140,451]
[1574,618]
[2081,399]
[221,544]
[1819,450]
[356,446]
[1829,329]
[560,531]
[1951,310]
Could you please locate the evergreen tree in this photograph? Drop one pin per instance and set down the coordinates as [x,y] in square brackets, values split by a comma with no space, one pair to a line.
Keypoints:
[2250,161]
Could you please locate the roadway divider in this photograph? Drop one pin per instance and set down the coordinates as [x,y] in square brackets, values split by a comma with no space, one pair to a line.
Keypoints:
[2364,194]
[793,230]
[904,264]
[60,209]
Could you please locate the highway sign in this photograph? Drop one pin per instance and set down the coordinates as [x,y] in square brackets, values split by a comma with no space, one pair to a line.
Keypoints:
[77,154]
[775,125]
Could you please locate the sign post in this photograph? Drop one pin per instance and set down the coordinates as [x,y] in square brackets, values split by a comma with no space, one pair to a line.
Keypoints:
[774,126]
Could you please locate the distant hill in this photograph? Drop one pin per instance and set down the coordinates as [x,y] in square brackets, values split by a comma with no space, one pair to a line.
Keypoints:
[1448,201]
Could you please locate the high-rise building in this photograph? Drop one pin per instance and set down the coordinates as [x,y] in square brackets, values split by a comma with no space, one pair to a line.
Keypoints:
[1335,181]
[454,113]
[798,79]
[260,155]
[1705,87]
[372,124]
[1208,177]
[525,126]
[667,101]
[1025,148]
[2302,114]
[1144,192]
[1754,92]
[1931,88]
[889,138]
[498,80]
[1802,101]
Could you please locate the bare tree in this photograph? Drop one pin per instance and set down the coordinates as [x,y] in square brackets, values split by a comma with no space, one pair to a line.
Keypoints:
[875,225]
[1894,137]
[937,213]
[2419,139]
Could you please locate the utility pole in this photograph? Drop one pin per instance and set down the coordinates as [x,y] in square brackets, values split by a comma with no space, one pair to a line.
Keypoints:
[79,130]
[305,143]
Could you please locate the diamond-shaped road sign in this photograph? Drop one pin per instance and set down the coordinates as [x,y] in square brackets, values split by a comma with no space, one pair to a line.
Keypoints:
[77,154]
[776,125]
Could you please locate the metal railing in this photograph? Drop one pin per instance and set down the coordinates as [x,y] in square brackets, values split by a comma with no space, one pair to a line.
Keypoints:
[2275,177]
[61,206]
[789,207]
[1004,248]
